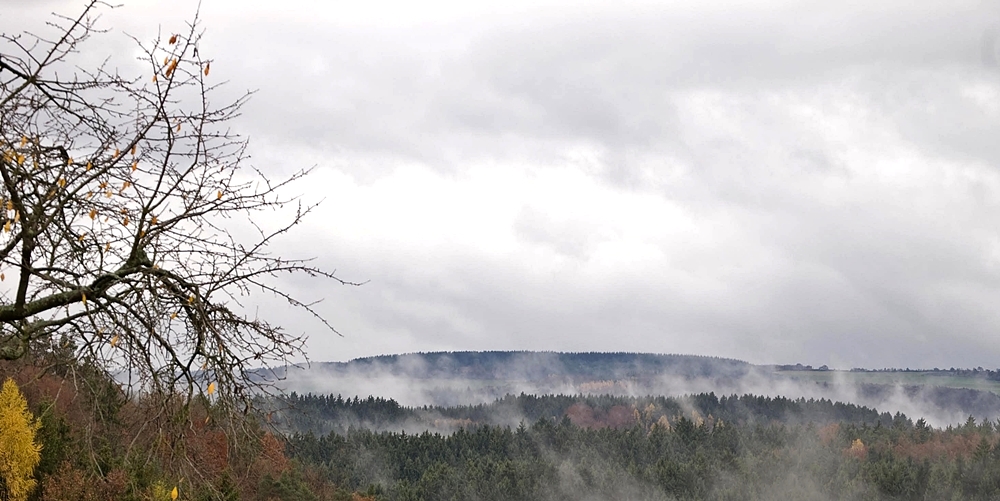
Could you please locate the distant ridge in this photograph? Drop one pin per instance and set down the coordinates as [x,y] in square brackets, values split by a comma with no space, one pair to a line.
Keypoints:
[540,365]
[479,377]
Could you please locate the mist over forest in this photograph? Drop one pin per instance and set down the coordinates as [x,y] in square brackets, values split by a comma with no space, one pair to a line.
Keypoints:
[600,426]
[941,397]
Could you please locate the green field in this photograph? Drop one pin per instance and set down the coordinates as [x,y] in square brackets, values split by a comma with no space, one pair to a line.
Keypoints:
[927,378]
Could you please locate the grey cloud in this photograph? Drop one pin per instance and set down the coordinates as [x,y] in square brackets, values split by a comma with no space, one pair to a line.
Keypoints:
[608,80]
[840,155]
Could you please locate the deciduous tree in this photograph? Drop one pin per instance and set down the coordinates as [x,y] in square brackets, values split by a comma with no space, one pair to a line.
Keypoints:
[19,453]
[130,218]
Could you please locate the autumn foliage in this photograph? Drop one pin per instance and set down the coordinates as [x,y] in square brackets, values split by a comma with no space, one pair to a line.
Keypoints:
[19,453]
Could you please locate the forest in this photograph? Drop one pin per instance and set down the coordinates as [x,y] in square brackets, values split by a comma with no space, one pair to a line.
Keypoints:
[96,442]
[695,447]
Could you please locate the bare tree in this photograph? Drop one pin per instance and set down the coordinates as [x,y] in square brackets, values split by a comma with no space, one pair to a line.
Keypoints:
[124,214]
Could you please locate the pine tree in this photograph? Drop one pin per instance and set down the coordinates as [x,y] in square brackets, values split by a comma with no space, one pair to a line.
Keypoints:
[19,453]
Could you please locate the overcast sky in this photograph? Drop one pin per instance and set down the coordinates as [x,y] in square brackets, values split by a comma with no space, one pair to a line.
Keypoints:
[782,181]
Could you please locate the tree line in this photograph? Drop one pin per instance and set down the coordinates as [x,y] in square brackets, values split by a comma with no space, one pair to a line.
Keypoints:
[702,447]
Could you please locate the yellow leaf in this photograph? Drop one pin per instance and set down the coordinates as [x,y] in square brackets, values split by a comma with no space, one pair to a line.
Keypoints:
[125,221]
[90,194]
[208,66]
[81,237]
[134,146]
[24,141]
[135,165]
[83,297]
[173,493]
[17,216]
[178,127]
[125,185]
[107,247]
[20,159]
[61,182]
[107,194]
[93,213]
[207,419]
[154,77]
[211,388]
[114,341]
[104,184]
[218,195]
[6,227]
[152,221]
[69,161]
[191,299]
[166,60]
[88,166]
[117,152]
[173,315]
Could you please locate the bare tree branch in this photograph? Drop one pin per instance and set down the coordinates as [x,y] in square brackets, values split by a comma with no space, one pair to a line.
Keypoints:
[120,213]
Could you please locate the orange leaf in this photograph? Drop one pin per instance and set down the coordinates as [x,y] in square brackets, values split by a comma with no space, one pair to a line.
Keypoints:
[208,66]
[173,39]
